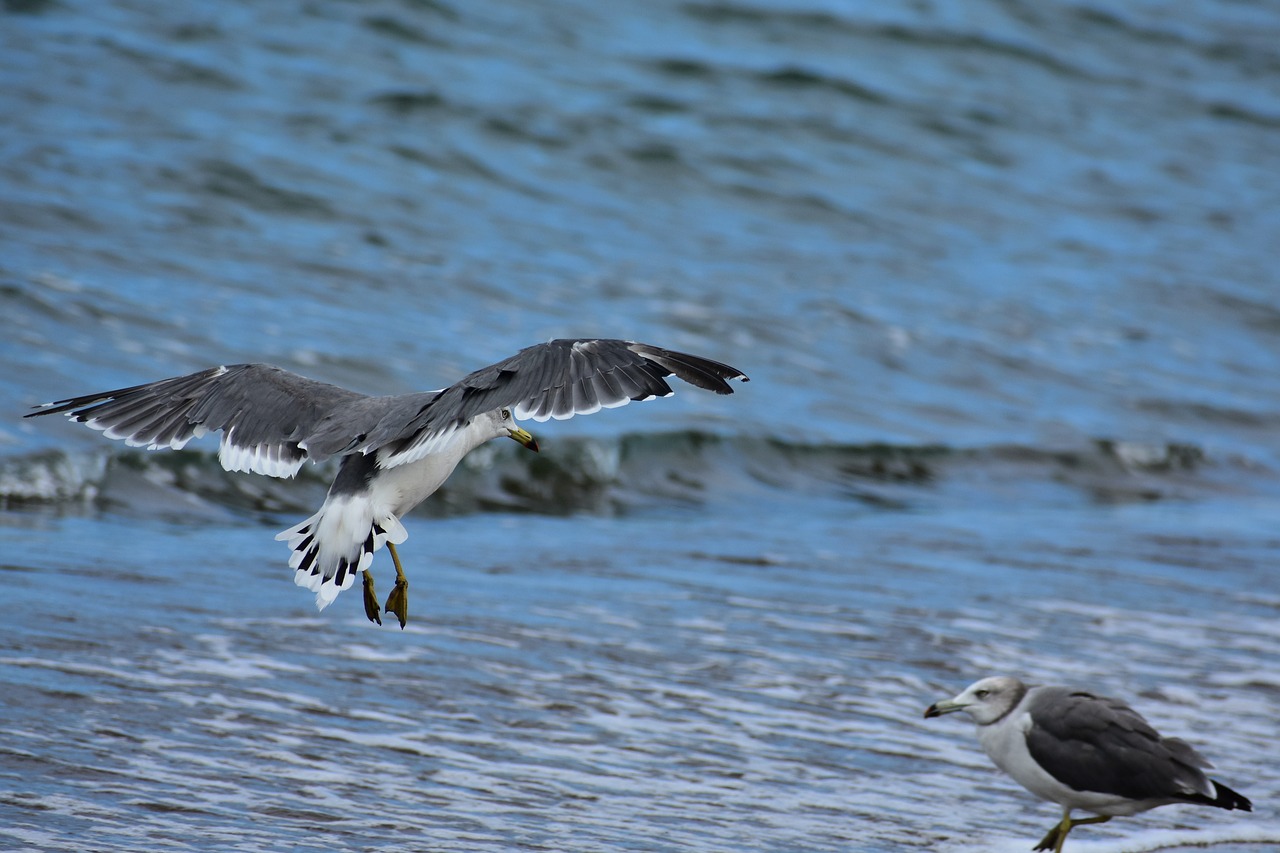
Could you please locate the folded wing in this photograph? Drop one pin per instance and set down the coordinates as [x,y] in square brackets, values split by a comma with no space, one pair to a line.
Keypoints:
[1091,743]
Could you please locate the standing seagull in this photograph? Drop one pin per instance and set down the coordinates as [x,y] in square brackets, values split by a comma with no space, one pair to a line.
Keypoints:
[396,451]
[1084,751]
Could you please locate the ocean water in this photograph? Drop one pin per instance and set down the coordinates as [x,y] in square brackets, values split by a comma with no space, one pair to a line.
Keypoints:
[1002,275]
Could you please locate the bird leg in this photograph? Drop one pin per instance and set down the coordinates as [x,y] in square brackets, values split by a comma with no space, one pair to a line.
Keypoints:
[370,599]
[1057,836]
[398,600]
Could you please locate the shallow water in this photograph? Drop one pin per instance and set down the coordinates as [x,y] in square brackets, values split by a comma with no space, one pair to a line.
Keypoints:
[1001,275]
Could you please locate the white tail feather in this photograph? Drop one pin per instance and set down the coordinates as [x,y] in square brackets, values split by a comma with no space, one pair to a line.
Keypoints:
[331,547]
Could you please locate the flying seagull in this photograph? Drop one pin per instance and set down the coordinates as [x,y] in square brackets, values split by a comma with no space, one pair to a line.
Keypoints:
[395,451]
[1084,751]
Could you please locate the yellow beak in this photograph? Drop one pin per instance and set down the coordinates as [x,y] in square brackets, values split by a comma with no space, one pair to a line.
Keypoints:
[524,438]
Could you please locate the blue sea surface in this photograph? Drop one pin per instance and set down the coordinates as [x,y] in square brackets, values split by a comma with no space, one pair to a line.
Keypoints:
[1002,275]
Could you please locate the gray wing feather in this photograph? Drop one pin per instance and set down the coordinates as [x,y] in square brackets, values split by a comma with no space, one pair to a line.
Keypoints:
[266,414]
[557,379]
[1092,743]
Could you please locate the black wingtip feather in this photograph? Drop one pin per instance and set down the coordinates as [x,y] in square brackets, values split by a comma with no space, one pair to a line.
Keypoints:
[1229,799]
[696,370]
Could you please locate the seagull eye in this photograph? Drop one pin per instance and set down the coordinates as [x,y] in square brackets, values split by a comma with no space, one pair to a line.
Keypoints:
[506,414]
[982,694]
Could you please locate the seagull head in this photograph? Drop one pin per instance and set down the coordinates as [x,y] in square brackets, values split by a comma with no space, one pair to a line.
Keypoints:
[505,424]
[985,701]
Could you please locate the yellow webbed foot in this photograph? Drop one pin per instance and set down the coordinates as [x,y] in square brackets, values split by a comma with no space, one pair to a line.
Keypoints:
[1057,836]
[398,601]
[371,599]
[1051,839]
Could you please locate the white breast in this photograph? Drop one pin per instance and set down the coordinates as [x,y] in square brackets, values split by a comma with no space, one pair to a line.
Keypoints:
[399,489]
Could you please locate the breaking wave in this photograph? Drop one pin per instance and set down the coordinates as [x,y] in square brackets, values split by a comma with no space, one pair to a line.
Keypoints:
[635,471]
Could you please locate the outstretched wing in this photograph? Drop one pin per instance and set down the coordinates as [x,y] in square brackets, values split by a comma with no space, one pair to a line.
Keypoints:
[557,379]
[265,414]
[273,420]
[1091,743]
